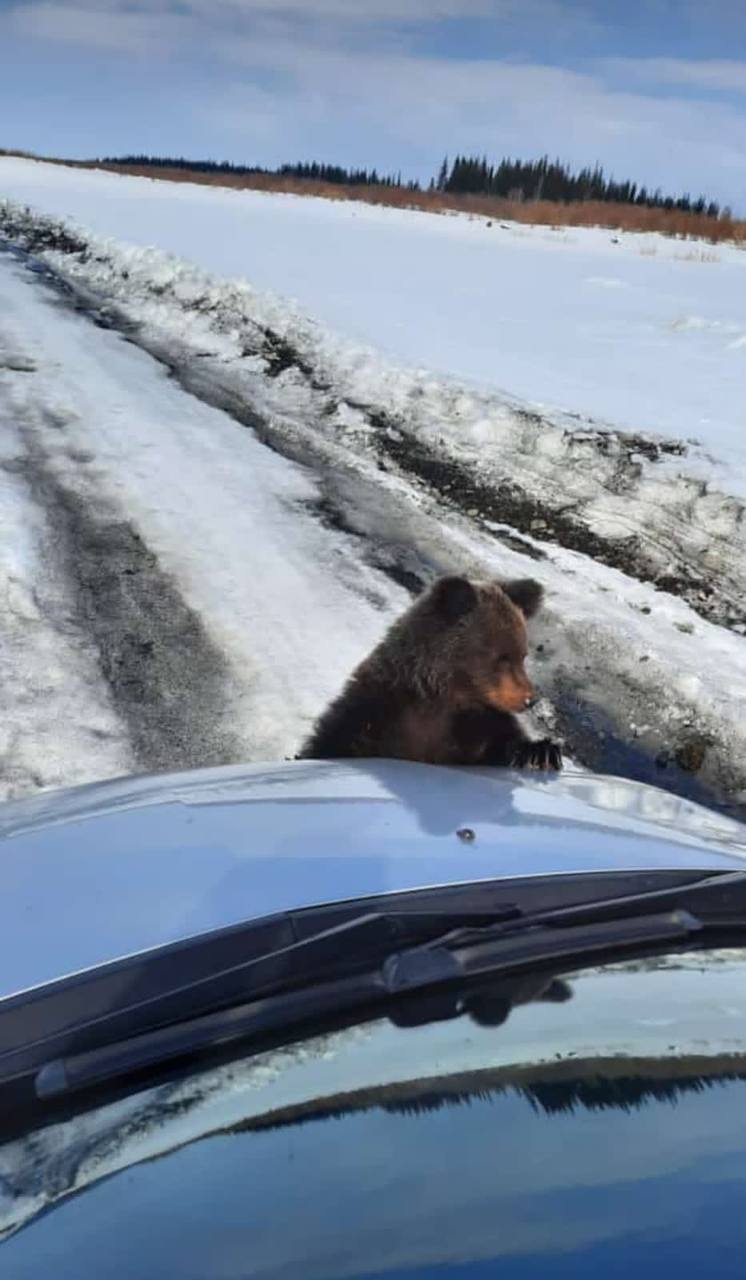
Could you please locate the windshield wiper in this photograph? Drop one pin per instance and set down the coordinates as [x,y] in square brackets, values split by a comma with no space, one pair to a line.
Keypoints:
[459,957]
[291,964]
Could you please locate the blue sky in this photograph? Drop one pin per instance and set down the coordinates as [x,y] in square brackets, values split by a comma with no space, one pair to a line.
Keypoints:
[654,89]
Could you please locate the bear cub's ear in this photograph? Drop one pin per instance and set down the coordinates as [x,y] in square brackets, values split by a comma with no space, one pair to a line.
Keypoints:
[525,593]
[454,597]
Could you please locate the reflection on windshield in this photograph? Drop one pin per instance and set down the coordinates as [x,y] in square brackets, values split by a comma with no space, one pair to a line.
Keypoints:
[597,1085]
[559,1118]
[496,1186]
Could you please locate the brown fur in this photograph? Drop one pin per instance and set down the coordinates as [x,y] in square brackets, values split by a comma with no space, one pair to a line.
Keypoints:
[444,684]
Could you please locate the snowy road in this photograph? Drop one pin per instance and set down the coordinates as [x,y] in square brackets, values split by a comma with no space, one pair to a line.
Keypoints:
[168,597]
[184,585]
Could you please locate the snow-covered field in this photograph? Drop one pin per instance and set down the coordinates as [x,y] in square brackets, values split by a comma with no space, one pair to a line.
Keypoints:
[445,394]
[646,333]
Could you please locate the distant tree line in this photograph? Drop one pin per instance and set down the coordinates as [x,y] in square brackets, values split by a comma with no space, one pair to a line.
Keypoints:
[542,179]
[313,171]
[547,179]
[179,162]
[345,177]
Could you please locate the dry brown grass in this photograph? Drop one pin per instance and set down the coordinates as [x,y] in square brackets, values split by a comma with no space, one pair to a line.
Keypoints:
[591,213]
[617,217]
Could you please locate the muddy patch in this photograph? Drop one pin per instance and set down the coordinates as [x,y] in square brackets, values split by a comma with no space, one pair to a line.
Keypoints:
[506,504]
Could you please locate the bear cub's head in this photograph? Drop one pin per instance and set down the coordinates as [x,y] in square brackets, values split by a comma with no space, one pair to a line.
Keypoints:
[471,641]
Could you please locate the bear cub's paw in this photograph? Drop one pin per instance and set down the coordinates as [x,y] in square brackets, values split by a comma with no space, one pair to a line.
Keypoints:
[543,754]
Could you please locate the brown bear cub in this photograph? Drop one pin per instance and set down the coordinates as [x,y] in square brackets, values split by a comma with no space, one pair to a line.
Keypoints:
[444,684]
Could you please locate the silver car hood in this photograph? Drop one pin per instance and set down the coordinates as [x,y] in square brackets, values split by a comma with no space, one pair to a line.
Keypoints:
[99,872]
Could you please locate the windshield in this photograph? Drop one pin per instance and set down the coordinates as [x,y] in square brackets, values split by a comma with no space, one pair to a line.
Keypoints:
[596,1126]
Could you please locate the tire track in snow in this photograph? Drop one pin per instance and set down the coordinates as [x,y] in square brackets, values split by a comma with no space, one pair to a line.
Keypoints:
[167,681]
[57,724]
[164,678]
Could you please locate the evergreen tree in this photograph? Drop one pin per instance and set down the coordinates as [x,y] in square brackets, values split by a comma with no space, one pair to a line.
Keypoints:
[546,179]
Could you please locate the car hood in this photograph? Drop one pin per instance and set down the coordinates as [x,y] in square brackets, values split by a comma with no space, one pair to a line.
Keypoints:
[100,872]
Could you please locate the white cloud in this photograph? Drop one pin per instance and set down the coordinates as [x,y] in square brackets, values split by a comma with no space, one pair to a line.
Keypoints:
[720,74]
[104,22]
[156,27]
[130,24]
[99,26]
[362,10]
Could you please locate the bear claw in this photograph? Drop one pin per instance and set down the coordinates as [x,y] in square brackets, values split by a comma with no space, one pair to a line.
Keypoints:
[543,754]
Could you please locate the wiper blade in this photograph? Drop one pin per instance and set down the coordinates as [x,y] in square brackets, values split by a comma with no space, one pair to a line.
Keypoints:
[406,972]
[473,954]
[28,1039]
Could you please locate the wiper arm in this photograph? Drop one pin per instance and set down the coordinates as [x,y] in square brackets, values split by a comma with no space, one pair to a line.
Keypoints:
[26,1041]
[443,962]
[719,901]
